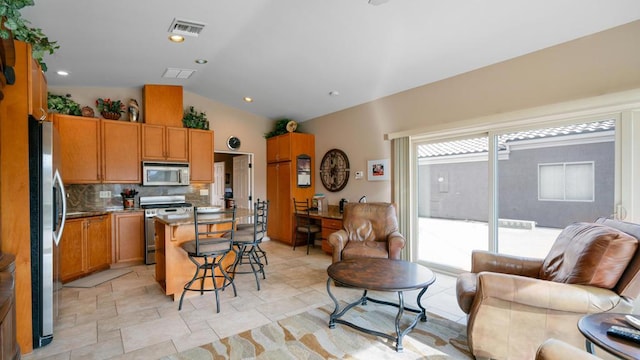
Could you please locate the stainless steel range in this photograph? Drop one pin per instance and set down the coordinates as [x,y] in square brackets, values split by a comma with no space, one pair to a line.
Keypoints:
[174,205]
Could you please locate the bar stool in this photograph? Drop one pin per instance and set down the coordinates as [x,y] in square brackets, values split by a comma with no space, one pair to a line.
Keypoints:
[214,235]
[304,224]
[248,240]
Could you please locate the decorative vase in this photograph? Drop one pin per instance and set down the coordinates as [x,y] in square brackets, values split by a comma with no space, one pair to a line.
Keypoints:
[110,115]
[133,110]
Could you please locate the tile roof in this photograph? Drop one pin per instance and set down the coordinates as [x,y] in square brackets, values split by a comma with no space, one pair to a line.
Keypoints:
[480,145]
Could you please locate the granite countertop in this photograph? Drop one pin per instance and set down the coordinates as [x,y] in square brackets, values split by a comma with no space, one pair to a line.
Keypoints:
[89,213]
[187,219]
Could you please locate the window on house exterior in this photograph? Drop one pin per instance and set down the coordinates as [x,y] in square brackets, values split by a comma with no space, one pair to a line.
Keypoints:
[566,181]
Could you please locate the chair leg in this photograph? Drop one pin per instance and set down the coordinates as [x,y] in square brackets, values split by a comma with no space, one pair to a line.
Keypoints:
[310,237]
[205,268]
[263,254]
[188,285]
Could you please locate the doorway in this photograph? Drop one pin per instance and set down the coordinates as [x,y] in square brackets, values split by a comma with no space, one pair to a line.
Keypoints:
[234,171]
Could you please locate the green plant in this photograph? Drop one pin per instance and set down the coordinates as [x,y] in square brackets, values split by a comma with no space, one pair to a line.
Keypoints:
[13,24]
[63,104]
[195,119]
[108,105]
[281,128]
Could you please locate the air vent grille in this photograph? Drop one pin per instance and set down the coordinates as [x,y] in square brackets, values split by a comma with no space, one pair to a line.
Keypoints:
[174,73]
[186,27]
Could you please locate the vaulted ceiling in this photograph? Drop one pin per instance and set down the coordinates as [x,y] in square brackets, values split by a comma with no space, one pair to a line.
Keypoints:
[290,55]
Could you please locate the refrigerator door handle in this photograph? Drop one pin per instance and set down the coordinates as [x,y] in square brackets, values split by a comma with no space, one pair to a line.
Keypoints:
[57,233]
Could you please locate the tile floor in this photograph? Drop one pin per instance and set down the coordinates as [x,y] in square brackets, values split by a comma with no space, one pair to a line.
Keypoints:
[130,317]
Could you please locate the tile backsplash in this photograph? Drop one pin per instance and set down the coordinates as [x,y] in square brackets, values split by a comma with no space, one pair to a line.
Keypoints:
[87,197]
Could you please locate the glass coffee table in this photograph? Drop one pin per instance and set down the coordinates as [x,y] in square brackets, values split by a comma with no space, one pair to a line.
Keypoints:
[373,274]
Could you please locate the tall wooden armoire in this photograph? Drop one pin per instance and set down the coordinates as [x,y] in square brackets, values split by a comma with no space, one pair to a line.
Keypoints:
[290,173]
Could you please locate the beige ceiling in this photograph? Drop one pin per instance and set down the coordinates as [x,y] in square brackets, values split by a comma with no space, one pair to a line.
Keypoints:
[290,54]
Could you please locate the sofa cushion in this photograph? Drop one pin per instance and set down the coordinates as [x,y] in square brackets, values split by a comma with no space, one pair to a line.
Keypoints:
[589,254]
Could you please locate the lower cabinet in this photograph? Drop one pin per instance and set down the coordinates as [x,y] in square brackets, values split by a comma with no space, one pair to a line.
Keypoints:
[85,247]
[128,237]
[329,226]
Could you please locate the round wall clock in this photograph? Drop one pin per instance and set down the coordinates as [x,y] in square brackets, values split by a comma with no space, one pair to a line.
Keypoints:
[334,170]
[233,143]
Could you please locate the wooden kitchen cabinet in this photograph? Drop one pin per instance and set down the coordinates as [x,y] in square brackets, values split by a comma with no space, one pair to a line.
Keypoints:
[79,148]
[278,148]
[163,105]
[201,156]
[282,181]
[98,151]
[164,143]
[85,247]
[280,200]
[120,152]
[37,91]
[128,237]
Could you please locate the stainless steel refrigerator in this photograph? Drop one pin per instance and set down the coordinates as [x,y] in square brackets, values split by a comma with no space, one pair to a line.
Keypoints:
[48,210]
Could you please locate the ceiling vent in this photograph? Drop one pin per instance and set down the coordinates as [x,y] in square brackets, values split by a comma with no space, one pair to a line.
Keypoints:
[186,27]
[174,73]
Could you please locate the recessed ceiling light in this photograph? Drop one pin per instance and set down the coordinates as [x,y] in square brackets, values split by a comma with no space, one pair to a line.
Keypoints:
[247,99]
[201,61]
[334,93]
[176,38]
[62,73]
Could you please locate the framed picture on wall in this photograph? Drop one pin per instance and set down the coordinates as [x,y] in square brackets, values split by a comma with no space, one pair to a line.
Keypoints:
[303,168]
[378,170]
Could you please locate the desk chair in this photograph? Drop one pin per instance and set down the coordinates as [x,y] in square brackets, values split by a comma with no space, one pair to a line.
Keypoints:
[214,235]
[304,223]
[247,240]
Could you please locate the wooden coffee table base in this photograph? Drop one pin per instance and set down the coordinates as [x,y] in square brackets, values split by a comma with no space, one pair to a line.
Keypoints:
[421,314]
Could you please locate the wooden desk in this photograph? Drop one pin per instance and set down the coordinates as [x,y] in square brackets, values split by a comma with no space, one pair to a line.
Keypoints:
[330,221]
[594,328]
[173,267]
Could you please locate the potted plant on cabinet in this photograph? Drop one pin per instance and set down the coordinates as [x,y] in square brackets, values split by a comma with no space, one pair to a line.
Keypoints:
[195,119]
[12,24]
[63,104]
[110,109]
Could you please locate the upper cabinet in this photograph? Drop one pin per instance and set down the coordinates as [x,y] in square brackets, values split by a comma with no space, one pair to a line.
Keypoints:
[37,91]
[201,156]
[92,150]
[120,152]
[78,148]
[164,143]
[287,146]
[163,105]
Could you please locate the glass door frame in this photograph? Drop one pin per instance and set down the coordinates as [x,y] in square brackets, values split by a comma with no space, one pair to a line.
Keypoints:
[627,149]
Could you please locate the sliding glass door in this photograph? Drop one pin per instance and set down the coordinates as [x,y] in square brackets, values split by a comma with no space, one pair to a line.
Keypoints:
[551,177]
[452,193]
[510,191]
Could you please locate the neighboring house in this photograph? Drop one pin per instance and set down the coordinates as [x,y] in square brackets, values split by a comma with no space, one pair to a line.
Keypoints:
[551,177]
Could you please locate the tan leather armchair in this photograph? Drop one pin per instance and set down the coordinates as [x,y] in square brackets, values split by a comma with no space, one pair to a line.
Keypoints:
[554,349]
[369,230]
[514,304]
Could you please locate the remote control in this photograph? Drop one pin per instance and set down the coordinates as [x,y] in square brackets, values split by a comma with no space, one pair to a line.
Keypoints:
[634,321]
[625,333]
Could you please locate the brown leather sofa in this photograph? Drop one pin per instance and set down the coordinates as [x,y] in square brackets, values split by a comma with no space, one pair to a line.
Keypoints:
[514,304]
[369,230]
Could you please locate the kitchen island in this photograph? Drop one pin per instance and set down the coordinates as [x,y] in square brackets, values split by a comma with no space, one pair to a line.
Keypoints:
[173,267]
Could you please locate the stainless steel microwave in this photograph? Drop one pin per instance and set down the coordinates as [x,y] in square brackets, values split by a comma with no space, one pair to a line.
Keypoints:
[165,173]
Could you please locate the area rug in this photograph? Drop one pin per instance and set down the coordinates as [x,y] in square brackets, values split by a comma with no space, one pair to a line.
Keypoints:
[97,278]
[307,336]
